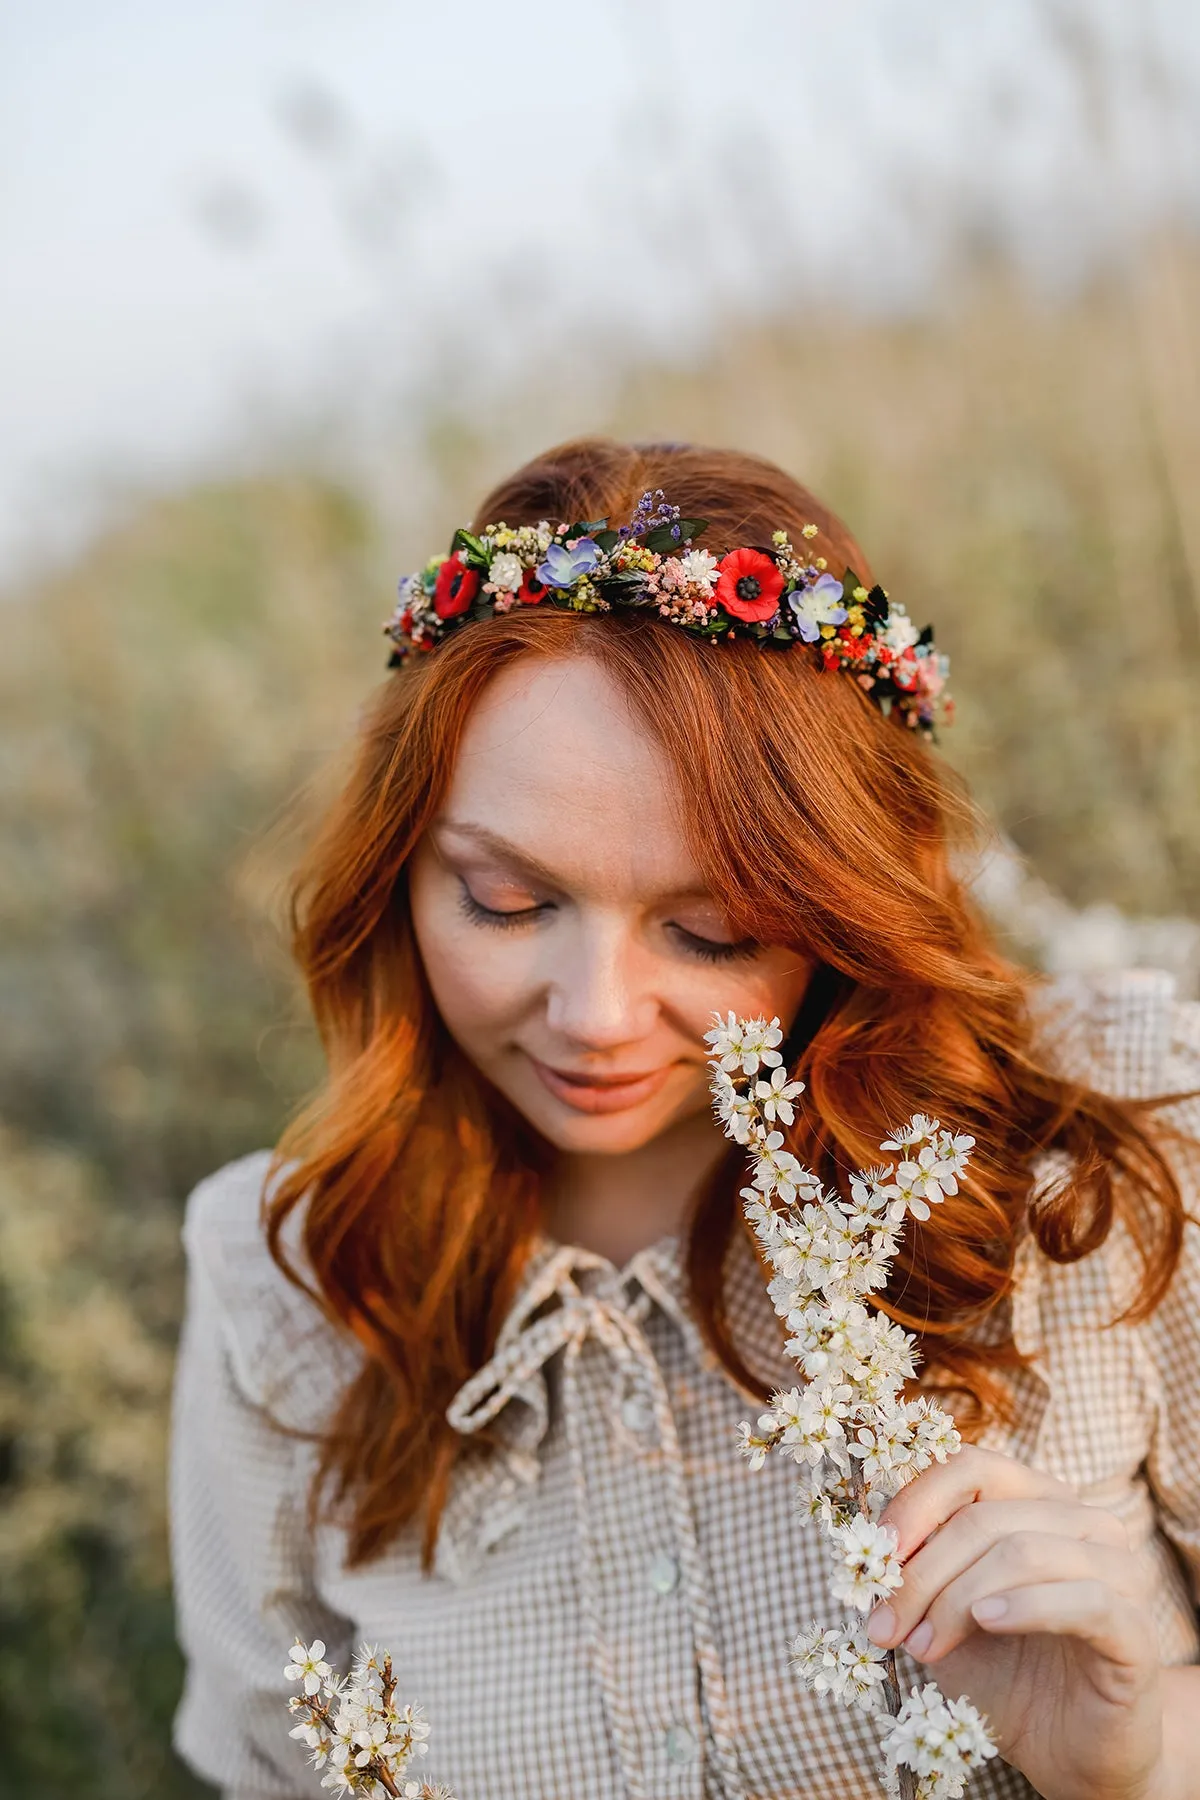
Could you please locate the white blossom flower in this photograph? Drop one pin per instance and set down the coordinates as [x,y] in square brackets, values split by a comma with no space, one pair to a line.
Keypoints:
[849,1427]
[766,1222]
[918,1130]
[775,1096]
[907,1193]
[841,1662]
[868,1566]
[953,1152]
[938,1738]
[937,1435]
[737,1111]
[866,1208]
[753,1448]
[778,1172]
[745,1044]
[307,1665]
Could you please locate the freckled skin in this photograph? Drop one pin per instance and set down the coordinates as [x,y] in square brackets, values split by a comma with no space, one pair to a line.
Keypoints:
[609,973]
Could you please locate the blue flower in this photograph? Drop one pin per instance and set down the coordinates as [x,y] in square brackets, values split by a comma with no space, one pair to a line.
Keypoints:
[563,568]
[820,604]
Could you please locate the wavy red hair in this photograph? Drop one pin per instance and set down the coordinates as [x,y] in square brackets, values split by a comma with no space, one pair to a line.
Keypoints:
[827,827]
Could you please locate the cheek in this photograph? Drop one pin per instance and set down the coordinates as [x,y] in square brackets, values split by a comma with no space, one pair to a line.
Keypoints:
[772,986]
[480,980]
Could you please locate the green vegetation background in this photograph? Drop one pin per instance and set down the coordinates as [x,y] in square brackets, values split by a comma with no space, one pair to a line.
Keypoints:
[1026,475]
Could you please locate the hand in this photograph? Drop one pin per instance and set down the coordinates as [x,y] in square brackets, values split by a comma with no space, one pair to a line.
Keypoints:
[1031,1603]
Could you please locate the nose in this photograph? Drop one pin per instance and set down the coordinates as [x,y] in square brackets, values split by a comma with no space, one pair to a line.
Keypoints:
[595,997]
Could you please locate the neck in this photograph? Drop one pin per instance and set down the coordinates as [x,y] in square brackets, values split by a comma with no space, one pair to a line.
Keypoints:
[618,1205]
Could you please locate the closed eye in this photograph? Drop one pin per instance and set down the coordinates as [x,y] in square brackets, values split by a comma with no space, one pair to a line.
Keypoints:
[488,915]
[710,950]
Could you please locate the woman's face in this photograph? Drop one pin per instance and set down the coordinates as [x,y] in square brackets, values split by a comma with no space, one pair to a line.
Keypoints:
[571,944]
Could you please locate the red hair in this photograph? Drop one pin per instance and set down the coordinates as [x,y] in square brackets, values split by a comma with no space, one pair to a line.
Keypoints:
[421,1186]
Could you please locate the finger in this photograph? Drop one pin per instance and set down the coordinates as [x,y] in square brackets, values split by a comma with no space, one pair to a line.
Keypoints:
[1027,1560]
[967,1536]
[974,1474]
[1088,1609]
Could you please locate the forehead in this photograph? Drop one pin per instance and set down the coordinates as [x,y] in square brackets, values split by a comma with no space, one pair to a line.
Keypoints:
[553,759]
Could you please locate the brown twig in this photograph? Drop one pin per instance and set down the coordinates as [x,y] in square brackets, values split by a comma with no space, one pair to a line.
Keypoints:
[891,1681]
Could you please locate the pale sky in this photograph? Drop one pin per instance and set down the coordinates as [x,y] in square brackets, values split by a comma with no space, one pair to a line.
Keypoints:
[217,220]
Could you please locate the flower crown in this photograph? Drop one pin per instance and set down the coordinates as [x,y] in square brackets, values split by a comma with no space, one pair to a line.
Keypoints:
[781,597]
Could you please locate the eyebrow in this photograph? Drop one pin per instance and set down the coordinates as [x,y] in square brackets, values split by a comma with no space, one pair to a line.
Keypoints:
[529,865]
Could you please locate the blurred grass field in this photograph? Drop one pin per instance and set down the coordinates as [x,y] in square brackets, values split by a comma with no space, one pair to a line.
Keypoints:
[1025,473]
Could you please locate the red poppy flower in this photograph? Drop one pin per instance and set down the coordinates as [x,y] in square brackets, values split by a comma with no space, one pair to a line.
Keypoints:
[531,589]
[749,585]
[456,588]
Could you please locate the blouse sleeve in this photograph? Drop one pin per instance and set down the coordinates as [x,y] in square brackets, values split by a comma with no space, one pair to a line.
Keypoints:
[1172,1334]
[241,1558]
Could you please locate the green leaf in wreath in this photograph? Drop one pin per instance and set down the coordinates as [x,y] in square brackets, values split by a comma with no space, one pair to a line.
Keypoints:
[664,541]
[476,554]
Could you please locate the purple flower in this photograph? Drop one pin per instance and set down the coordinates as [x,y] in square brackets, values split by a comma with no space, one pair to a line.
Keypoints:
[820,604]
[653,511]
[563,568]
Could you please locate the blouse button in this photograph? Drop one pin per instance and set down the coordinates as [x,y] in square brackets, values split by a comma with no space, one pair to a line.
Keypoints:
[681,1745]
[636,1413]
[664,1573]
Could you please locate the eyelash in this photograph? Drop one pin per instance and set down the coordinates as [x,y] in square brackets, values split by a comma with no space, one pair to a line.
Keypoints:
[485,915]
[702,948]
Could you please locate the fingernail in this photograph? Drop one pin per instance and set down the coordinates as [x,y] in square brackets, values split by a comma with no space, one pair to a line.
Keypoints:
[986,1611]
[881,1626]
[918,1640]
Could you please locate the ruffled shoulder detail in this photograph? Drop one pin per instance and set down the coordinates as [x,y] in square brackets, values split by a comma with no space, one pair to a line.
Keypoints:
[1127,1034]
[286,1355]
[1124,1032]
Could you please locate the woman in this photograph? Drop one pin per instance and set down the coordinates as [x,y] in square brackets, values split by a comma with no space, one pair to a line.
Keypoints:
[464,1360]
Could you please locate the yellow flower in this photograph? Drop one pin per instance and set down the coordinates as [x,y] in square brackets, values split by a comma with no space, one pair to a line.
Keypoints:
[827,631]
[860,594]
[810,531]
[780,538]
[821,563]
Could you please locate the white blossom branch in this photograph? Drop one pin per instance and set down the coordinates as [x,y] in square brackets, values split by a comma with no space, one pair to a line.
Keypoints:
[353,1724]
[846,1423]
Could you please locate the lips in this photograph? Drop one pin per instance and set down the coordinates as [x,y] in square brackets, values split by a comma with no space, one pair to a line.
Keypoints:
[590,1093]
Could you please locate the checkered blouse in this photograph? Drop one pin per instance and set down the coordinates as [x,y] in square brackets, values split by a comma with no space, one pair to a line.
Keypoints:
[614,1590]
